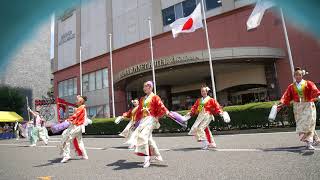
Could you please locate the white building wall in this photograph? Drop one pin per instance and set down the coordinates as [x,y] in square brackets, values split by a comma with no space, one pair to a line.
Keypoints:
[130,20]
[67,42]
[94,35]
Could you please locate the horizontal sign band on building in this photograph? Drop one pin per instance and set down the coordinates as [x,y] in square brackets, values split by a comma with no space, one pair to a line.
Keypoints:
[201,56]
[158,64]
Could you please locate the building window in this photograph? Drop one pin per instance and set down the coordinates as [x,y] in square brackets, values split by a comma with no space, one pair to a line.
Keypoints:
[100,113]
[60,86]
[211,4]
[95,80]
[106,110]
[168,15]
[92,111]
[92,81]
[178,10]
[105,82]
[188,7]
[184,9]
[70,87]
[99,79]
[75,87]
[85,83]
[67,87]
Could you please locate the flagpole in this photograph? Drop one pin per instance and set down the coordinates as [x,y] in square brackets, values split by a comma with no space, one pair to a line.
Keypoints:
[28,107]
[287,44]
[111,68]
[152,60]
[209,52]
[80,75]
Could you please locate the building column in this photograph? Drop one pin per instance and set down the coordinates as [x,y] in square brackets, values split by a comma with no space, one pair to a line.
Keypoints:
[272,81]
[166,96]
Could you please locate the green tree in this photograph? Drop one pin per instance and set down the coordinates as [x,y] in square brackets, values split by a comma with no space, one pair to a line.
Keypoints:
[11,99]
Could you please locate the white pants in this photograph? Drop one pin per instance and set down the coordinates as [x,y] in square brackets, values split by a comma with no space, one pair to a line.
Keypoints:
[39,133]
[68,135]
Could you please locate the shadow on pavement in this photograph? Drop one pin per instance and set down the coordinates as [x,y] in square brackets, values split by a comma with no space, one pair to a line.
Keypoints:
[187,149]
[295,149]
[124,165]
[120,147]
[50,162]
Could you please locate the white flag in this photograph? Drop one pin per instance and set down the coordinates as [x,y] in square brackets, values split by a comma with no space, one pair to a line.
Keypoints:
[257,13]
[188,24]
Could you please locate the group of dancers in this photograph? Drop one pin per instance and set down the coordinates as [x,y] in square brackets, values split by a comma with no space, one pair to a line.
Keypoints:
[146,113]
[145,118]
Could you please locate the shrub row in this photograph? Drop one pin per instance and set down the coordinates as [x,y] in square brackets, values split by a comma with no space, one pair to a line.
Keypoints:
[253,115]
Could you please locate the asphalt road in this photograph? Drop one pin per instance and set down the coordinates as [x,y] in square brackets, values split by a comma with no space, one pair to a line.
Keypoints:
[246,156]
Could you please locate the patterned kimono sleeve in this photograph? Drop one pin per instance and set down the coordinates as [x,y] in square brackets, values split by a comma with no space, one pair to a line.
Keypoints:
[287,96]
[314,90]
[127,114]
[158,107]
[195,107]
[215,107]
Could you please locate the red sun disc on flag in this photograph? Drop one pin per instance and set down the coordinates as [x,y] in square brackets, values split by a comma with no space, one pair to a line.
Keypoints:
[188,25]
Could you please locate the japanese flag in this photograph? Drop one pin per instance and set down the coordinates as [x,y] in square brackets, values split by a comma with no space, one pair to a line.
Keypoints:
[188,24]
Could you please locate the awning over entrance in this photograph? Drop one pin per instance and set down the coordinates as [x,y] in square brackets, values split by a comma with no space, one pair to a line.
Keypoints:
[220,55]
[6,116]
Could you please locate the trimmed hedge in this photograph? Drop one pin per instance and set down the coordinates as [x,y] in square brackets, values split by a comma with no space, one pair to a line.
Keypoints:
[253,115]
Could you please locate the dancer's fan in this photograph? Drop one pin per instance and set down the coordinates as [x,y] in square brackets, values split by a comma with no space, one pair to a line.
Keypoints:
[118,120]
[226,117]
[178,118]
[60,127]
[273,113]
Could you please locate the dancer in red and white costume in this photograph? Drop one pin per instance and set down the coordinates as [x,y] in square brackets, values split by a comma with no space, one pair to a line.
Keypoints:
[303,93]
[205,108]
[74,131]
[150,109]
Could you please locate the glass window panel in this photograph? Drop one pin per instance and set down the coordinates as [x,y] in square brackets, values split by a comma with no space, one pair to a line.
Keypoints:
[100,113]
[106,110]
[178,10]
[85,83]
[92,111]
[60,86]
[188,7]
[92,81]
[99,79]
[168,15]
[211,4]
[65,88]
[75,87]
[70,87]
[105,78]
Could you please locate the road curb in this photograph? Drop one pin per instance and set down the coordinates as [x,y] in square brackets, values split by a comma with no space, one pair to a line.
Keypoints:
[229,132]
